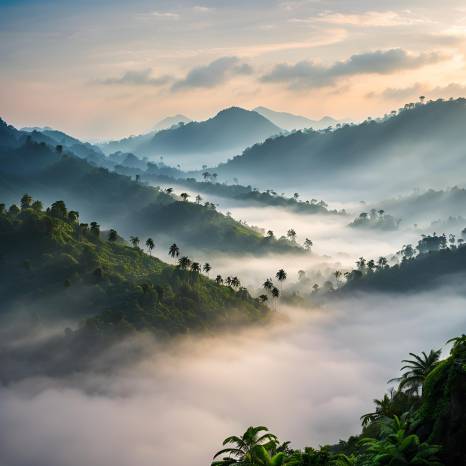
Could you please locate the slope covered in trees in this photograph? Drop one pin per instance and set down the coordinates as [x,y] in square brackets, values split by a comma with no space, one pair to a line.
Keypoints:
[435,260]
[56,271]
[133,208]
[415,142]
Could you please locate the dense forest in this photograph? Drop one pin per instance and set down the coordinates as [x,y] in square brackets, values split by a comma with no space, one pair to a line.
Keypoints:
[56,269]
[53,173]
[435,260]
[421,421]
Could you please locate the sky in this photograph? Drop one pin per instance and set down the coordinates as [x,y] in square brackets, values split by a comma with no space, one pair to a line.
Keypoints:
[110,68]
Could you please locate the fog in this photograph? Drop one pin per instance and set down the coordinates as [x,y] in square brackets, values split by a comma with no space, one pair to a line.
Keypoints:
[308,377]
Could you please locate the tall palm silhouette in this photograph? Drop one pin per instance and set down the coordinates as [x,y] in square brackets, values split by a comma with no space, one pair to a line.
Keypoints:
[268,284]
[219,280]
[134,241]
[281,276]
[207,268]
[184,263]
[174,251]
[150,245]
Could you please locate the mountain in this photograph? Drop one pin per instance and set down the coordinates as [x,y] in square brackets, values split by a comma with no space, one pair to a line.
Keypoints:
[131,207]
[421,144]
[58,272]
[170,121]
[226,134]
[292,122]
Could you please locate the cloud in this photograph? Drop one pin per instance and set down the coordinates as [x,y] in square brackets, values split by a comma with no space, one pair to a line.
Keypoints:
[213,74]
[370,19]
[138,78]
[416,89]
[307,74]
[165,15]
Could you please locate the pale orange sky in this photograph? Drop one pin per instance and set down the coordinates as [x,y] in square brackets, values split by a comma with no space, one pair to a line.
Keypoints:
[105,69]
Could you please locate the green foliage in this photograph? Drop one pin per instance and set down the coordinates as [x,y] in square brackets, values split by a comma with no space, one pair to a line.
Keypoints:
[107,282]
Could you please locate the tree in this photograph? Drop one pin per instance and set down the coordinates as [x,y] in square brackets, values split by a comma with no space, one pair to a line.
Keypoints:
[150,245]
[275,292]
[195,267]
[207,268]
[296,196]
[398,447]
[95,229]
[206,175]
[37,206]
[184,196]
[134,241]
[382,262]
[174,251]
[219,280]
[26,201]
[169,190]
[112,235]
[58,210]
[268,284]
[235,283]
[416,371]
[73,216]
[270,234]
[198,199]
[242,449]
[184,263]
[308,244]
[263,298]
[281,276]
[291,234]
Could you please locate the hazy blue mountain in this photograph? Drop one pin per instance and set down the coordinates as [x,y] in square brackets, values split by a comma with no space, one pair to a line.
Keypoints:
[170,121]
[227,133]
[291,122]
[421,145]
[131,207]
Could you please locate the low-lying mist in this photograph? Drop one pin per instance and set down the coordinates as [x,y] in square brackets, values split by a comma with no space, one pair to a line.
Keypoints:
[308,377]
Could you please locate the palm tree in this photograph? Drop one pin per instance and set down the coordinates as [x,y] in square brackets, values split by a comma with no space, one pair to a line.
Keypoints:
[275,292]
[296,195]
[198,199]
[174,250]
[270,234]
[207,268]
[134,241]
[206,175]
[150,245]
[268,284]
[382,262]
[219,280]
[263,298]
[73,216]
[416,371]
[169,190]
[228,281]
[235,283]
[112,235]
[242,448]
[184,263]
[281,276]
[383,408]
[184,196]
[195,267]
